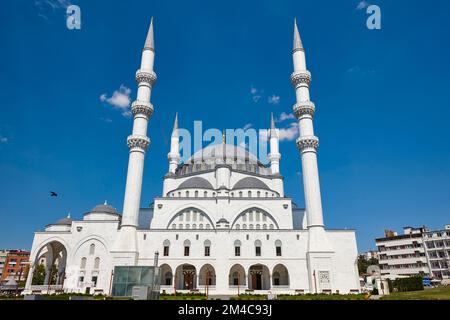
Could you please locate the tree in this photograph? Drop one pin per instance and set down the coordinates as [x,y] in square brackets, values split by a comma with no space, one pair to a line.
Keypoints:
[39,275]
[363,263]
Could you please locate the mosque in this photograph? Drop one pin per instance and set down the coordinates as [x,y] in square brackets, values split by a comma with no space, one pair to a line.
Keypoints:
[222,222]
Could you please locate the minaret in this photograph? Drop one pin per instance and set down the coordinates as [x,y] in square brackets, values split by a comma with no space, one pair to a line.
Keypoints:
[307,143]
[138,143]
[274,155]
[174,154]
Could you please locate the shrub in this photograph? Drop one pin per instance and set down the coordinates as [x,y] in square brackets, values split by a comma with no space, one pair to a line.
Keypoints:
[414,283]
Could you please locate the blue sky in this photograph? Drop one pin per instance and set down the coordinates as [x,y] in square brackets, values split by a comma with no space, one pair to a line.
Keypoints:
[382,100]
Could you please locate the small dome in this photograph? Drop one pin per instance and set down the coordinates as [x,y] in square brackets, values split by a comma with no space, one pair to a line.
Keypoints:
[222,220]
[104,208]
[67,221]
[250,183]
[196,182]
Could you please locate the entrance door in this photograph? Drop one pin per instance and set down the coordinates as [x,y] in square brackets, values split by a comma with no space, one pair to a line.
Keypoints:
[188,281]
[256,281]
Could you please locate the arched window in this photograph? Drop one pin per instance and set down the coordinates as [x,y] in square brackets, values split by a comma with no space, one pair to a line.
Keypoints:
[166,247]
[200,226]
[187,246]
[249,194]
[97,263]
[240,194]
[278,248]
[276,278]
[168,278]
[238,226]
[258,194]
[83,263]
[180,226]
[194,226]
[188,226]
[244,226]
[258,226]
[92,249]
[174,226]
[187,194]
[208,226]
[267,194]
[250,226]
[205,194]
[196,193]
[258,248]
[271,226]
[237,248]
[207,245]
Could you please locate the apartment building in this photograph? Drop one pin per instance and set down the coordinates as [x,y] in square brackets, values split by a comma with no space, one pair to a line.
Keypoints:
[404,254]
[437,248]
[15,266]
[3,254]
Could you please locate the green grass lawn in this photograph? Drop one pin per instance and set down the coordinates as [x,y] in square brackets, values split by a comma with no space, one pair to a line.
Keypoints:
[439,293]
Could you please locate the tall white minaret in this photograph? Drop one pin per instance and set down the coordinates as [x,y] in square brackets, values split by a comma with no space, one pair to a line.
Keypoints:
[138,143]
[274,155]
[174,154]
[307,143]
[320,254]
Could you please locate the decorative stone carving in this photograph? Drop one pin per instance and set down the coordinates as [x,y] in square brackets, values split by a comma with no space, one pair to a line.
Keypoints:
[304,108]
[324,277]
[140,107]
[301,78]
[307,144]
[138,143]
[145,77]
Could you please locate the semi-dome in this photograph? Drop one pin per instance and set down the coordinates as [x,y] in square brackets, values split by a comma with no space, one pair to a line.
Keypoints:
[196,182]
[250,183]
[222,220]
[104,208]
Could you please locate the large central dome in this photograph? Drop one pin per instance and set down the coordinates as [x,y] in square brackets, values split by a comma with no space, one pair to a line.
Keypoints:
[216,153]
[238,158]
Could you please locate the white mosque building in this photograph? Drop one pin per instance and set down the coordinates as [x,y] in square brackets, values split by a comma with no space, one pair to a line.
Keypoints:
[222,223]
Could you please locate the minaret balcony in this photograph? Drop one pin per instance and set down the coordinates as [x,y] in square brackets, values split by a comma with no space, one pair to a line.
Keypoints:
[138,143]
[307,144]
[147,77]
[301,78]
[141,107]
[304,108]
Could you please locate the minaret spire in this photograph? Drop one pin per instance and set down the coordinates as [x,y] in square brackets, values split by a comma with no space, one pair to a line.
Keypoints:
[274,155]
[174,154]
[297,45]
[175,125]
[149,41]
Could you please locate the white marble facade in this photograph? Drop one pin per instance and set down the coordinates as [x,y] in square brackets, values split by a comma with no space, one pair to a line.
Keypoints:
[222,222]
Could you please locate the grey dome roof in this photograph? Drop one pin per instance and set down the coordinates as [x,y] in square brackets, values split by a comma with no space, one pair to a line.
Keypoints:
[67,221]
[250,183]
[222,220]
[196,182]
[104,208]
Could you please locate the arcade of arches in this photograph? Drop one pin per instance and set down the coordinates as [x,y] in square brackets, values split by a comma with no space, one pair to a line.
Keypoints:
[257,277]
